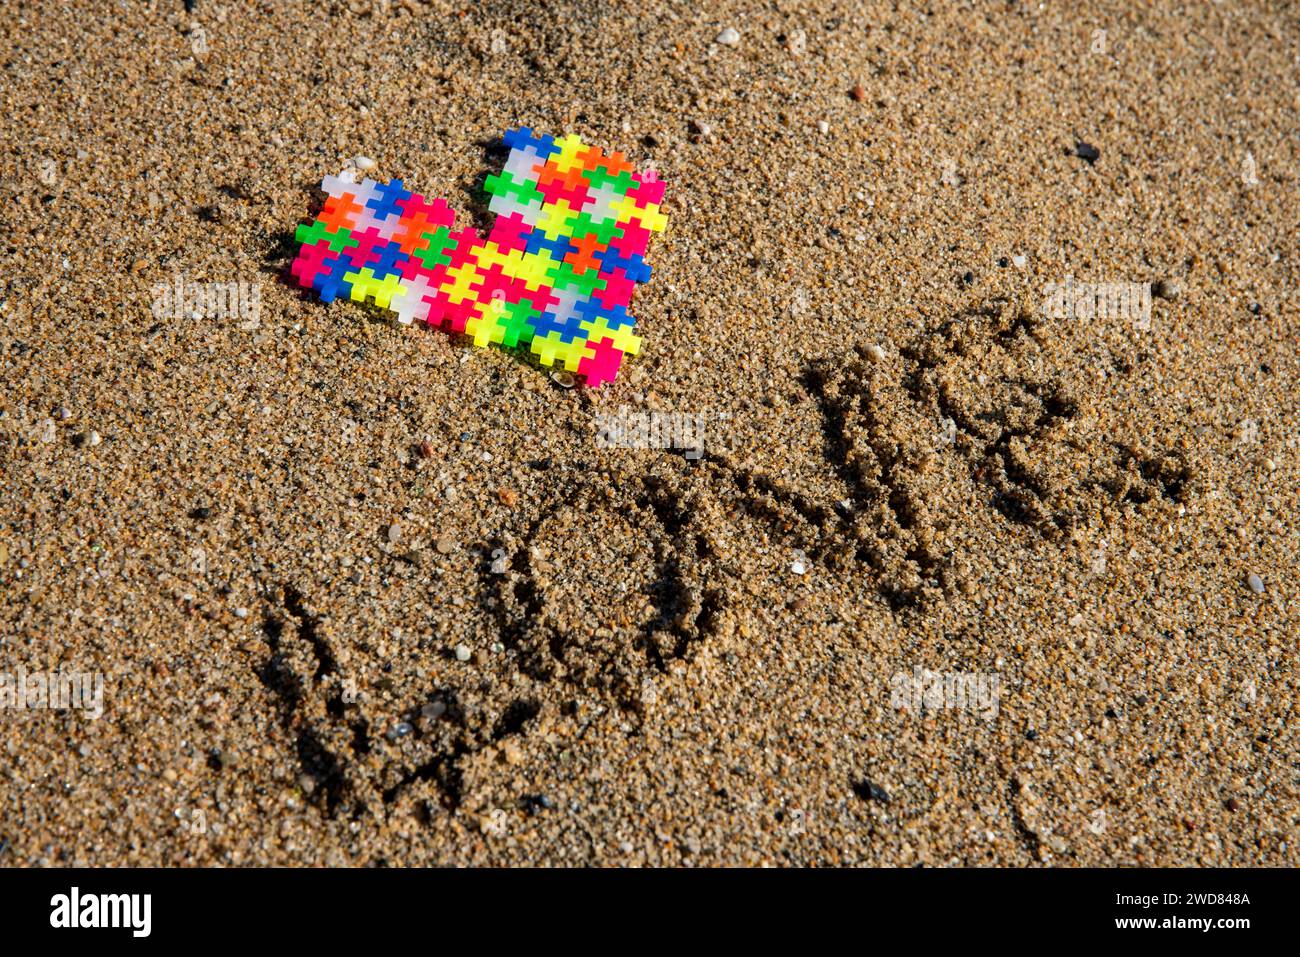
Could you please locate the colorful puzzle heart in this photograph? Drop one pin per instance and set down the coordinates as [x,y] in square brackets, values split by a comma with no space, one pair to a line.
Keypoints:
[556,273]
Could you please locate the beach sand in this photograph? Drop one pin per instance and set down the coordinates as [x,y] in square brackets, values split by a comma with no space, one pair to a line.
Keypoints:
[363,594]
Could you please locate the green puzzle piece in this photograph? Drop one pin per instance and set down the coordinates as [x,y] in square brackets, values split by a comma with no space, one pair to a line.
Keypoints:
[311,235]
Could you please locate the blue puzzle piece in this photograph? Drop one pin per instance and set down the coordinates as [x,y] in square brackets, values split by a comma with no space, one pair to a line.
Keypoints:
[634,267]
[569,329]
[385,260]
[390,194]
[523,137]
[558,248]
[589,310]
[331,283]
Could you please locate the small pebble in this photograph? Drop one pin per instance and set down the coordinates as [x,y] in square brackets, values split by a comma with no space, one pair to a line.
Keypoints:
[463,653]
[1167,289]
[798,566]
[241,612]
[434,710]
[1087,152]
[858,93]
[1019,261]
[871,791]
[94,438]
[730,37]
[823,127]
[875,353]
[563,379]
[445,546]
[1256,583]
[508,497]
[399,730]
[394,533]
[363,163]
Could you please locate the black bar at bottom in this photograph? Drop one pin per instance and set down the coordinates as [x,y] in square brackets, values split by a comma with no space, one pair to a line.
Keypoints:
[337,908]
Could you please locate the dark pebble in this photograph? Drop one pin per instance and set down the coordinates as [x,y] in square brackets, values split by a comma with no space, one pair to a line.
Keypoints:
[1086,151]
[202,513]
[533,803]
[871,791]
